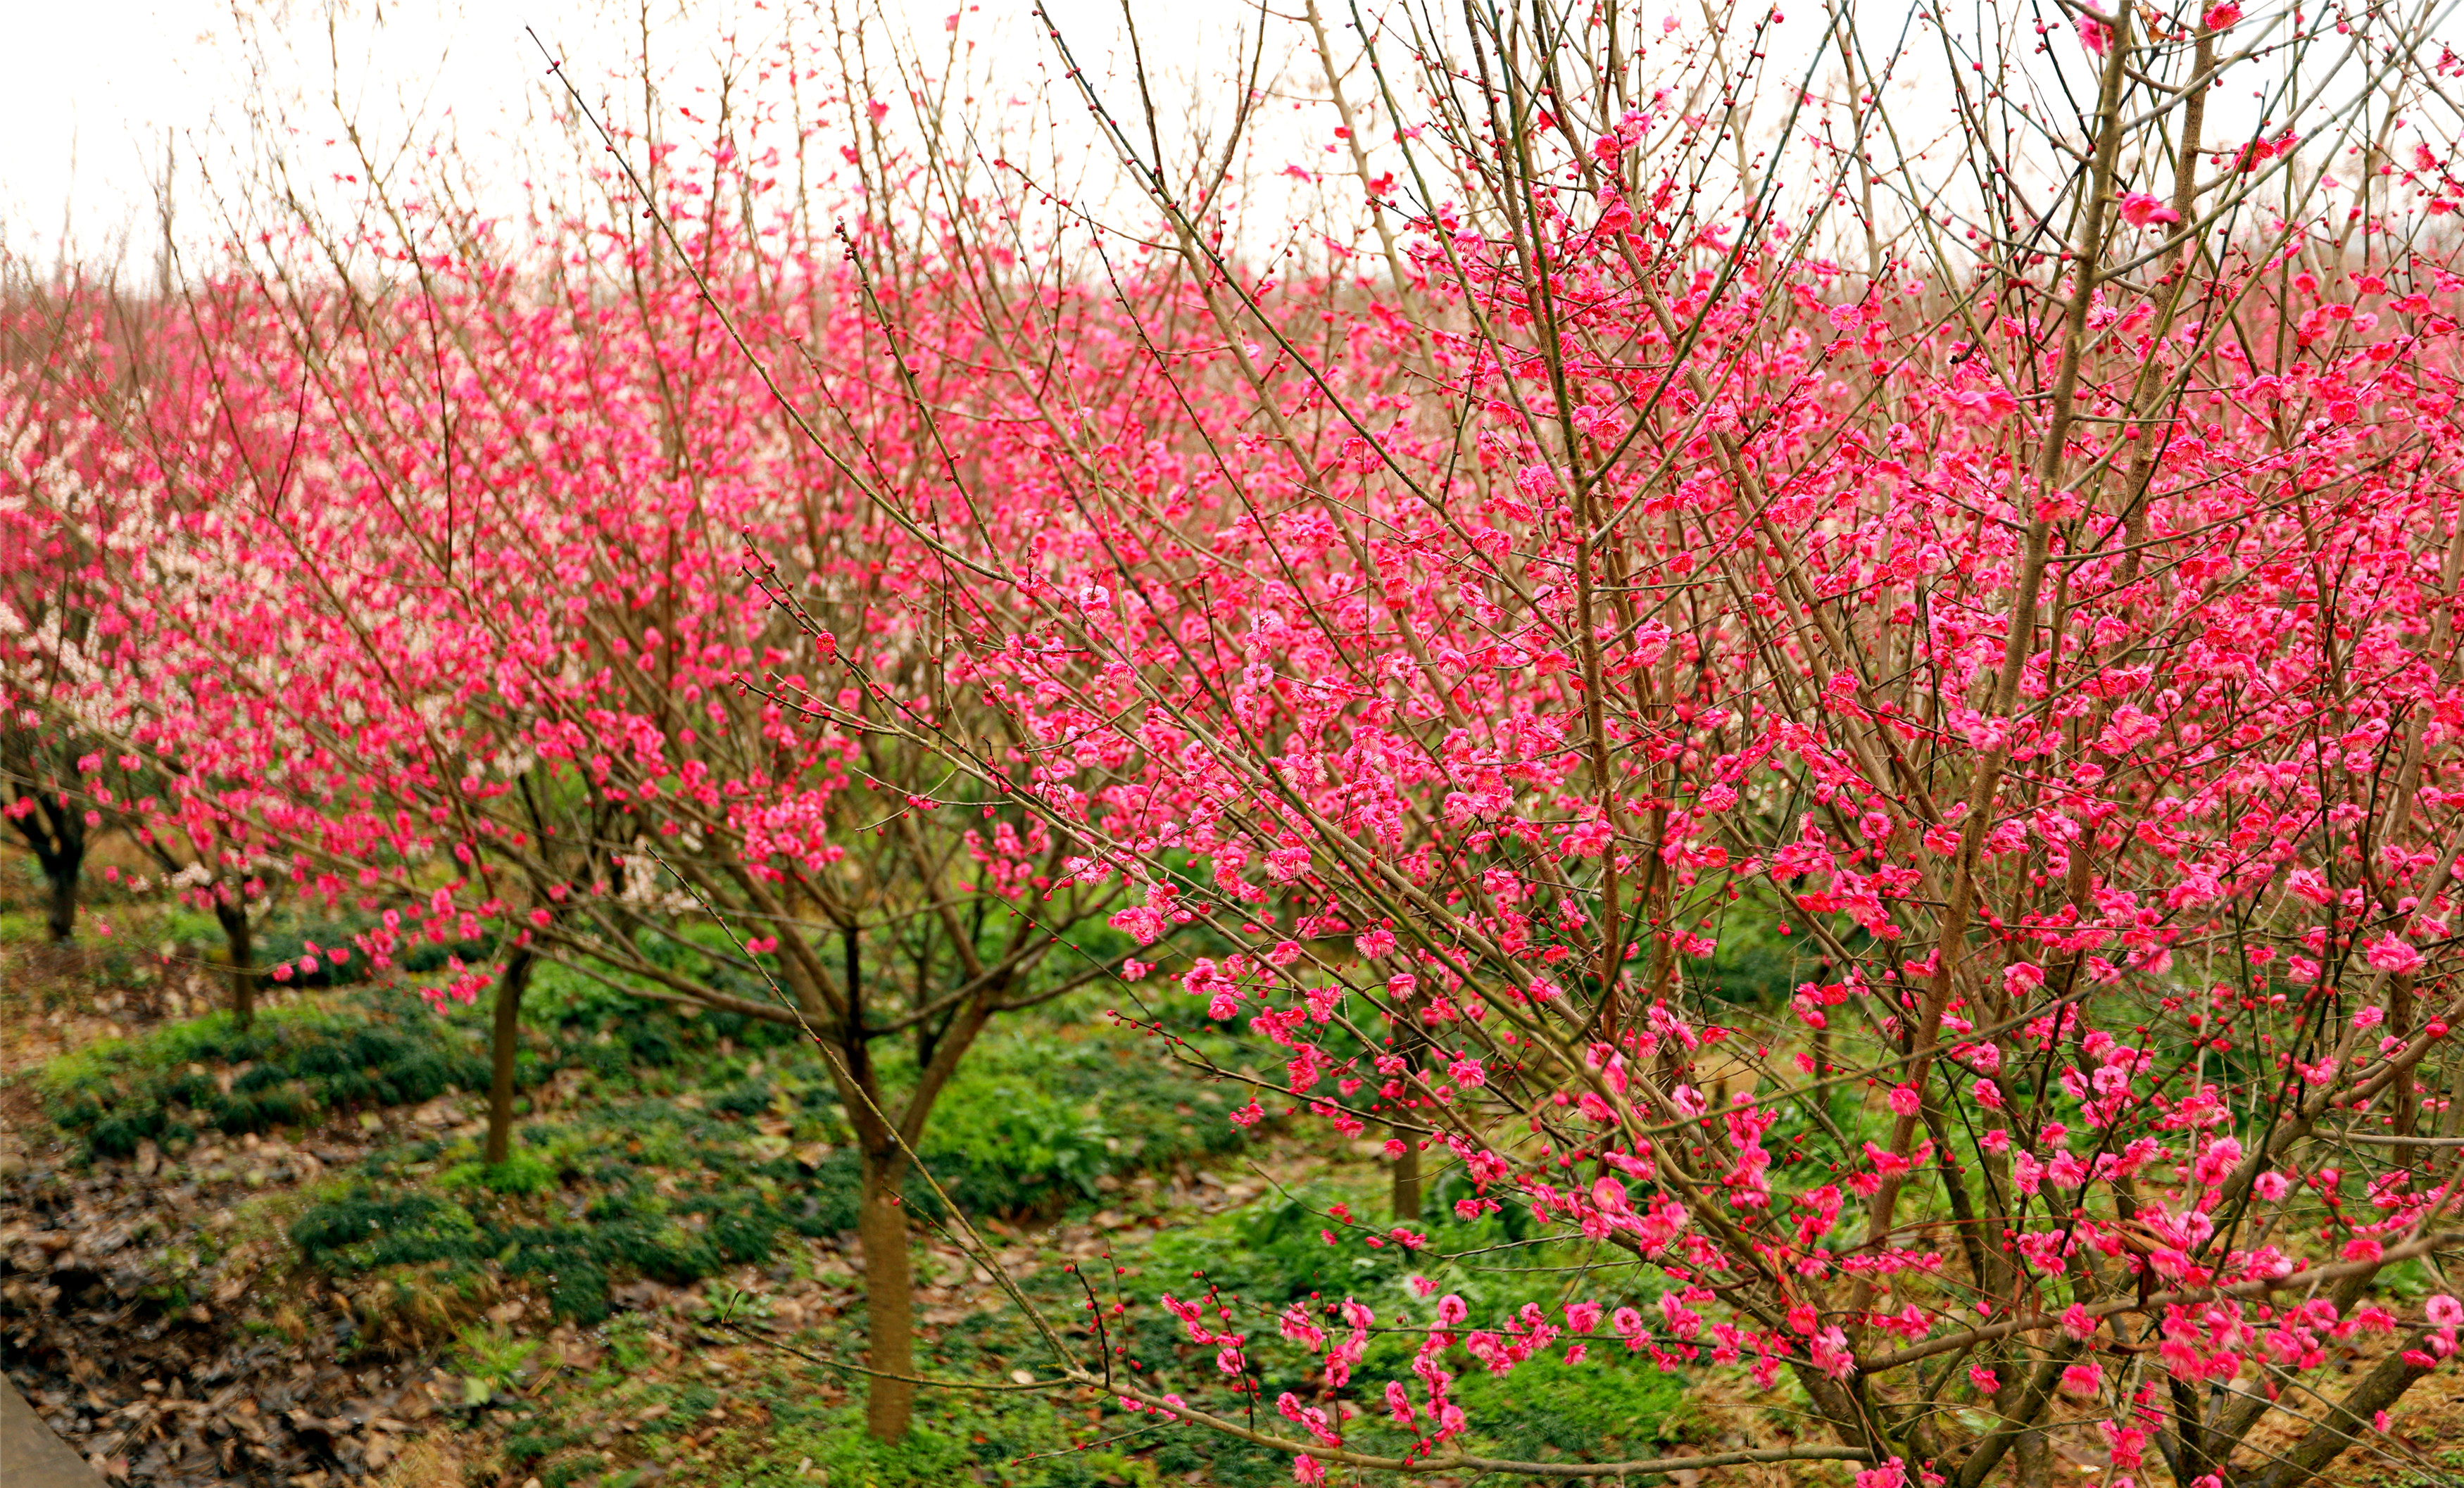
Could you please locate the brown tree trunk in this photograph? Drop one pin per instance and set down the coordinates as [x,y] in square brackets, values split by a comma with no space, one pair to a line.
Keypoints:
[889,1297]
[504,1041]
[2408,1098]
[1404,1193]
[62,917]
[1407,1176]
[2032,1461]
[240,949]
[55,828]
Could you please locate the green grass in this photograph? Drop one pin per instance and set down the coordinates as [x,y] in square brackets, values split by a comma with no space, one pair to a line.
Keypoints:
[723,1415]
[493,1355]
[692,1146]
[367,1047]
[1032,1121]
[1613,1405]
[674,1167]
[1274,1253]
[607,1221]
[293,1067]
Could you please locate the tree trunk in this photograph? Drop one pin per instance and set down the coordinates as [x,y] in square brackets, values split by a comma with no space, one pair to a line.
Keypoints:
[1403,1025]
[239,947]
[503,1043]
[57,832]
[63,878]
[2032,1461]
[889,1297]
[1407,1176]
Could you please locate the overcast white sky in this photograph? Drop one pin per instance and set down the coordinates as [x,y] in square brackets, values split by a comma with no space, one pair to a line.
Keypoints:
[102,85]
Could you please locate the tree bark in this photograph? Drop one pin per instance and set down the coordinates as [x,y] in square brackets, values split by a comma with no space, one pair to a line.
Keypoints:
[1404,1193]
[56,830]
[239,947]
[504,1042]
[1407,1176]
[889,1297]
[2033,1460]
[62,917]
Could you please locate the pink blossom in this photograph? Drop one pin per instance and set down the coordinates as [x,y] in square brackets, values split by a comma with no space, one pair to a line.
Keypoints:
[1628,1324]
[2141,209]
[1398,1404]
[2311,884]
[1893,1473]
[2083,1379]
[1830,1355]
[2392,953]
[2216,1162]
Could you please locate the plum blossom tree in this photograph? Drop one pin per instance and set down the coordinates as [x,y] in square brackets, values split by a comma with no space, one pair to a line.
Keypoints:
[2051,623]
